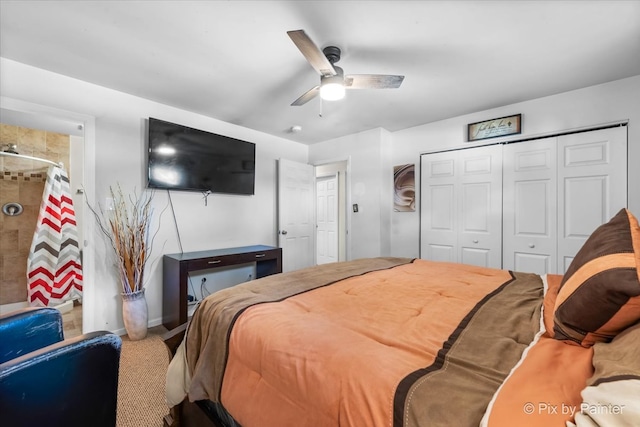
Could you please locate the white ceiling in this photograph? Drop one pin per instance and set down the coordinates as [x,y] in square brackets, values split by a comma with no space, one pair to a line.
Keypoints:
[233,60]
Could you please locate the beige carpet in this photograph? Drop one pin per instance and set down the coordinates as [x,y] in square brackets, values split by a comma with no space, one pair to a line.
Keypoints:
[141,397]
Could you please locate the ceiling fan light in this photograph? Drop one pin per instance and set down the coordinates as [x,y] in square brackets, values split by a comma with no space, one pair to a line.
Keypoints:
[332,87]
[332,91]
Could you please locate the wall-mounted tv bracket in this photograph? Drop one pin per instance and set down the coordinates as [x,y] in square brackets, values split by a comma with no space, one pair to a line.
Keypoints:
[205,195]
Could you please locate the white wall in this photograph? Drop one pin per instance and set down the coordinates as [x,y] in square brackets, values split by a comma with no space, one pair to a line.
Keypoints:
[114,153]
[595,105]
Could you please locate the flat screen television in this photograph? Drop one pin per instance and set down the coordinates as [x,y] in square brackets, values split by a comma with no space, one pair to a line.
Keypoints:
[183,158]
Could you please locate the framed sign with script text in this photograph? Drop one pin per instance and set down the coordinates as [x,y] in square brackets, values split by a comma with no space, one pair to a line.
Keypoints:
[503,126]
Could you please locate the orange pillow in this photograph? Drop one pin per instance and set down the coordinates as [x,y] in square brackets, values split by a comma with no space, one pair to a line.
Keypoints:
[600,293]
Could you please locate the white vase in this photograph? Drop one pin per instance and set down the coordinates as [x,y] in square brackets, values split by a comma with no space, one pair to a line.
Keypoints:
[135,315]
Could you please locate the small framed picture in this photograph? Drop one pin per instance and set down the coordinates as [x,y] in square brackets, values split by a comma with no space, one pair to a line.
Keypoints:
[503,126]
[404,188]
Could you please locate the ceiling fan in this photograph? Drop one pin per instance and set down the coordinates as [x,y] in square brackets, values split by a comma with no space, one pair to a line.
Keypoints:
[333,82]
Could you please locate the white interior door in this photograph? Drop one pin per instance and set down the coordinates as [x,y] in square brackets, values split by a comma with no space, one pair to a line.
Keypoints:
[529,206]
[592,178]
[526,206]
[327,219]
[296,214]
[461,210]
[438,224]
[480,208]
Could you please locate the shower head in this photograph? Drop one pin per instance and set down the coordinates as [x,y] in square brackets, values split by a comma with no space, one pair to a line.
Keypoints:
[11,148]
[12,209]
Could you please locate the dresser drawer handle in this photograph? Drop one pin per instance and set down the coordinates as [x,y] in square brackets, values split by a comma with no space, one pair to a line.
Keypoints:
[261,255]
[214,262]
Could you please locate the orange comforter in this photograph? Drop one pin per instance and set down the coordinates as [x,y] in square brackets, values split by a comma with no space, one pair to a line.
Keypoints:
[413,343]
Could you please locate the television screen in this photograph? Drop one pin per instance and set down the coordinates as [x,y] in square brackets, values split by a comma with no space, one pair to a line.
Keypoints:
[183,158]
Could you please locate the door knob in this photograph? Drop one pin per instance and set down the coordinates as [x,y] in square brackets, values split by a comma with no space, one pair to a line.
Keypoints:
[283,232]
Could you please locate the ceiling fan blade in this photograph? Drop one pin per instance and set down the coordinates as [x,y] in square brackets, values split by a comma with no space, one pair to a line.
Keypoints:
[312,52]
[372,81]
[306,97]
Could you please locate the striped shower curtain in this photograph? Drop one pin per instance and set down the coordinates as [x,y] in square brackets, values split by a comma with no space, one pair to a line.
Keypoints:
[54,270]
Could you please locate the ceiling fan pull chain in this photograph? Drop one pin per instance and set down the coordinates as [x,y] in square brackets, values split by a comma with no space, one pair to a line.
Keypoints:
[320,114]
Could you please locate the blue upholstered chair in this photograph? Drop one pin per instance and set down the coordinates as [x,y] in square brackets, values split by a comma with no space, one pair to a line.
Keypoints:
[46,380]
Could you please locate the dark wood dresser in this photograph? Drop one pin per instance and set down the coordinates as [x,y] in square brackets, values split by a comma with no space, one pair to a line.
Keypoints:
[176,268]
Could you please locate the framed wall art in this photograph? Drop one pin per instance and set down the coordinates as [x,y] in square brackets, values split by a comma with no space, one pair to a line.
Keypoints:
[502,126]
[404,188]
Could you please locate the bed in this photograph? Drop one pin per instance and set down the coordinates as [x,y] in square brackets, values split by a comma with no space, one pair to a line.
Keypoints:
[409,342]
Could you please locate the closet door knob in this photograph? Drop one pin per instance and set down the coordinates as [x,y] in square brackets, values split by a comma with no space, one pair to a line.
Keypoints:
[531,245]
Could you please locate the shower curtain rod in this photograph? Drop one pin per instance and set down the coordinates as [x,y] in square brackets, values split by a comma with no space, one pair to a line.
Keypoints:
[22,156]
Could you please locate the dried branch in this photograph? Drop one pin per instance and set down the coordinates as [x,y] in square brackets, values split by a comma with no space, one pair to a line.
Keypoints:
[127,228]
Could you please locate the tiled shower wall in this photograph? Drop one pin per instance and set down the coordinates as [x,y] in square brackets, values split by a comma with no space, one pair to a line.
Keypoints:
[22,181]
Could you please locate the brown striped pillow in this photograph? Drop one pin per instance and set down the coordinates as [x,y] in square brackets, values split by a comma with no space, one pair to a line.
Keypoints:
[600,293]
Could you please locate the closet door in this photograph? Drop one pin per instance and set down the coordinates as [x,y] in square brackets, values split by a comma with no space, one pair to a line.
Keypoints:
[480,206]
[462,206]
[438,210]
[592,178]
[529,206]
